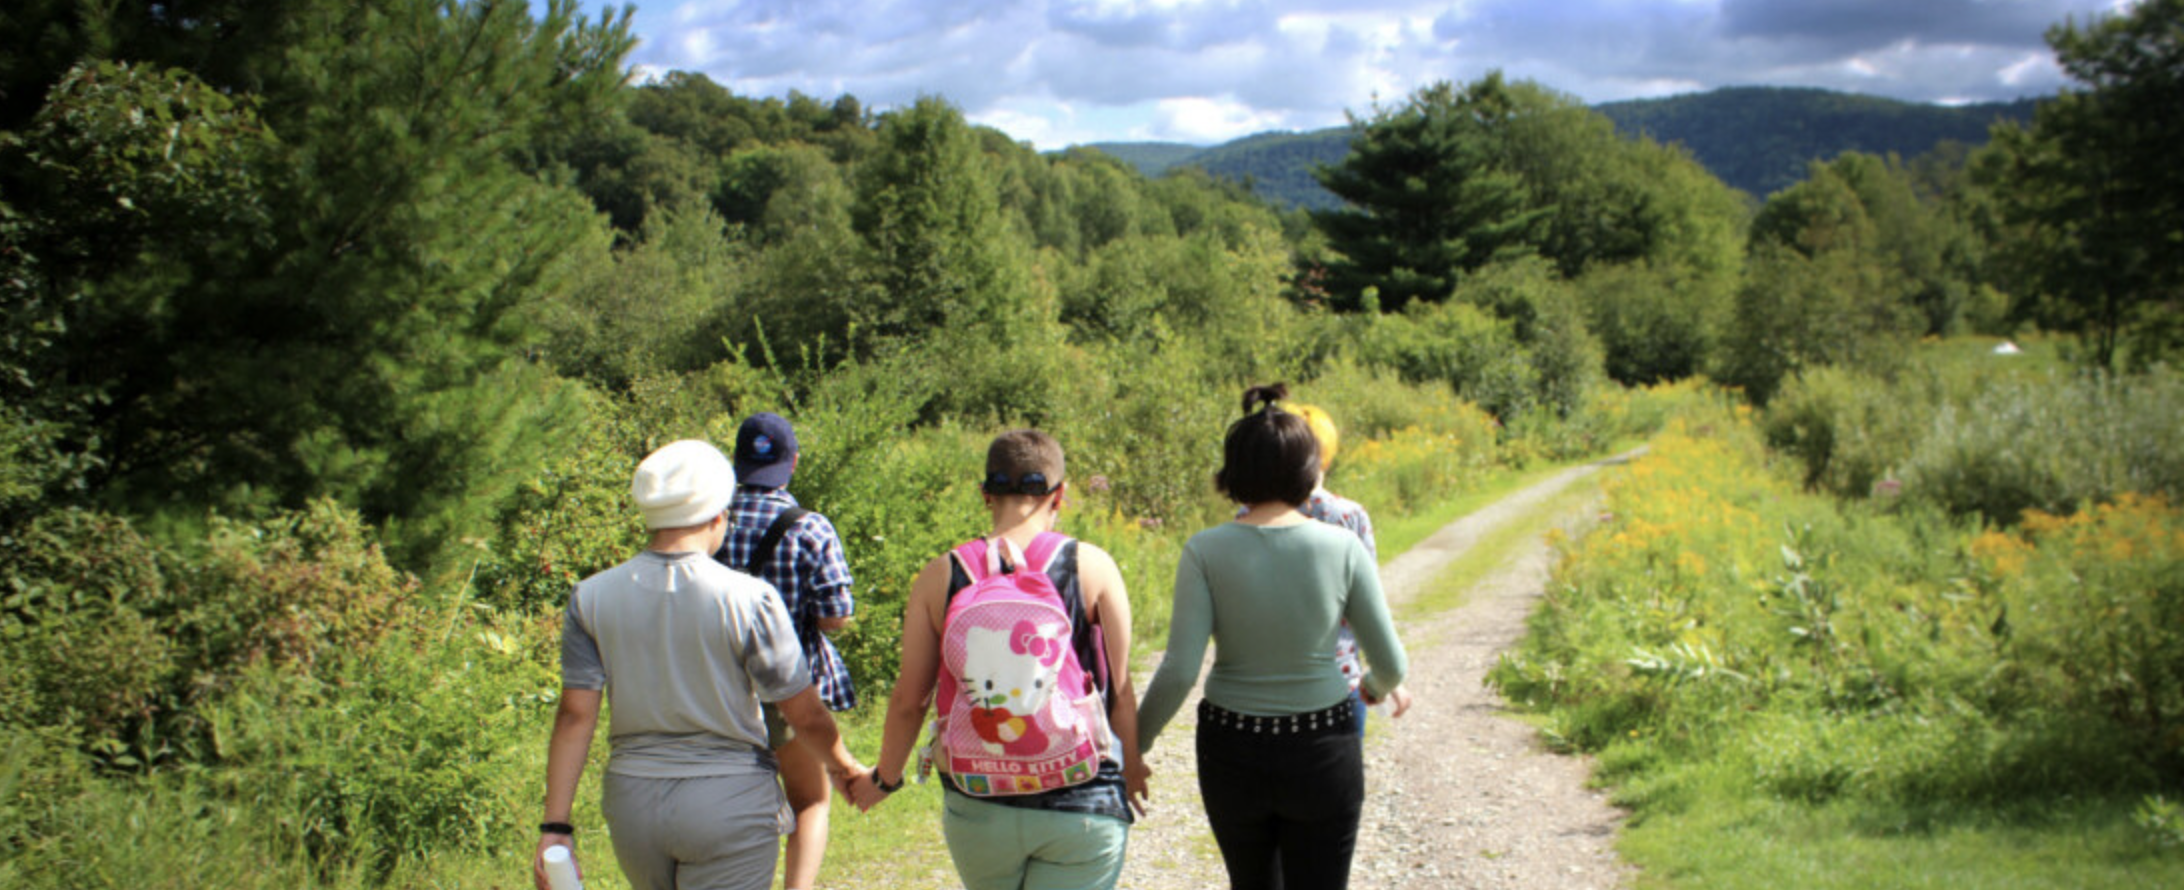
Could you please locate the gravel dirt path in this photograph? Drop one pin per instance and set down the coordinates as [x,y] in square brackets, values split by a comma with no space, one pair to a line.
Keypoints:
[1458,793]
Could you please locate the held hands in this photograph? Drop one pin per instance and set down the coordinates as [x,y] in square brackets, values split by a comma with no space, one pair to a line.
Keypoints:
[1135,776]
[857,783]
[844,777]
[865,791]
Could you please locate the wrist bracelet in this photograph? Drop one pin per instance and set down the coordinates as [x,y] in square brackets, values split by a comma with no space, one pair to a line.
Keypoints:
[885,787]
[557,828]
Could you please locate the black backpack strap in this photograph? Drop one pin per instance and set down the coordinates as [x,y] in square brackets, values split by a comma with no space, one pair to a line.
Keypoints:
[762,554]
[1086,636]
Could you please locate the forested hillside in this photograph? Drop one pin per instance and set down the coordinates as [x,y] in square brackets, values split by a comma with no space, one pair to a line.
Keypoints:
[1757,139]
[1149,158]
[330,333]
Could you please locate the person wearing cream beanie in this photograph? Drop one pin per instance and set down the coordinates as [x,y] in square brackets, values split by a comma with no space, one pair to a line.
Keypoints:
[687,648]
[683,484]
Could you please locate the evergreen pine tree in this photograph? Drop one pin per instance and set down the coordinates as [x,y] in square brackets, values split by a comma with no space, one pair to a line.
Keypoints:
[1432,196]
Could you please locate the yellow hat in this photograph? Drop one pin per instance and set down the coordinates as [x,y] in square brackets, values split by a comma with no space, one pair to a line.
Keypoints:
[1323,429]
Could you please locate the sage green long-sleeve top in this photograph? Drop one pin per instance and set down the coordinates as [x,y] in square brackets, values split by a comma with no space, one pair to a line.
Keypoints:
[1273,599]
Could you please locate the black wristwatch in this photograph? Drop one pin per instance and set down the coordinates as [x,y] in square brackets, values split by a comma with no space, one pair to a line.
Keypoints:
[557,828]
[885,787]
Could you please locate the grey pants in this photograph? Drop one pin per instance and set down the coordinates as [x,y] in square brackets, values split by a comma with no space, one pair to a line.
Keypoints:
[714,833]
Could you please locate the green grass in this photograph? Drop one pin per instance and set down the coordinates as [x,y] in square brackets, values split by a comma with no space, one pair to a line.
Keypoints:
[1492,552]
[898,844]
[1396,535]
[2039,353]
[1722,835]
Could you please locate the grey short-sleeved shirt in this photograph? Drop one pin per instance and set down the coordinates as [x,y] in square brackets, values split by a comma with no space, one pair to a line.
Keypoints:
[685,648]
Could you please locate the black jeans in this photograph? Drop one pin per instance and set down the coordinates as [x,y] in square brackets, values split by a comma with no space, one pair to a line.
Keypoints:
[1284,807]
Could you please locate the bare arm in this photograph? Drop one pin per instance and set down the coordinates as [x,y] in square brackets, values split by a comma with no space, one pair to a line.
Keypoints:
[575,720]
[817,732]
[919,673]
[1109,603]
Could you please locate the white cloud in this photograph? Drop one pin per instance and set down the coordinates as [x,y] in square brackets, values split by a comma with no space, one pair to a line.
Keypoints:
[1055,72]
[1204,120]
[2030,69]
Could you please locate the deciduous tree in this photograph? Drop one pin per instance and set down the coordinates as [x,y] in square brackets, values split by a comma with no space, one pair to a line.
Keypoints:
[2094,191]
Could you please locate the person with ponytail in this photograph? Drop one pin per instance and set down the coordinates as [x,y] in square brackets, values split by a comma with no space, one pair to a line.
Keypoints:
[1280,766]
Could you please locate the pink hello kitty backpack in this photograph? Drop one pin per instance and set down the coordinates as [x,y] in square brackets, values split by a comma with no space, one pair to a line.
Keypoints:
[1019,713]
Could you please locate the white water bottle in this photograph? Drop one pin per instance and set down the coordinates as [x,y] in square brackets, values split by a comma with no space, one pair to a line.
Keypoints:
[561,869]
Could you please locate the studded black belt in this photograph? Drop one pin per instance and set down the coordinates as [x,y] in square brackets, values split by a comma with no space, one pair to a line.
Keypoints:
[1338,718]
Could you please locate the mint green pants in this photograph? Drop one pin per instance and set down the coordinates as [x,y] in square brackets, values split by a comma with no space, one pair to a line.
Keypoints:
[998,847]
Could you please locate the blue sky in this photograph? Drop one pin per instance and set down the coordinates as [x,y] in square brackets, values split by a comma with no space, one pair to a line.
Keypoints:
[1061,72]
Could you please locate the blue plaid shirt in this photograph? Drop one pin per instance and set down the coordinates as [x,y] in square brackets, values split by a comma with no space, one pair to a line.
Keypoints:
[809,573]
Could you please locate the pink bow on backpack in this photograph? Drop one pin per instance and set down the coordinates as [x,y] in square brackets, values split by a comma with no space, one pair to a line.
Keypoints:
[1025,639]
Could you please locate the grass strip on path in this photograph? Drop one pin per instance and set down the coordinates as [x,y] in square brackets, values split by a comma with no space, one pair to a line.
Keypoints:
[1397,536]
[1495,549]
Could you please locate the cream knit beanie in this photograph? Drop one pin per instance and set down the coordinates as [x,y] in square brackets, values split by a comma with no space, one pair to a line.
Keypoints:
[683,484]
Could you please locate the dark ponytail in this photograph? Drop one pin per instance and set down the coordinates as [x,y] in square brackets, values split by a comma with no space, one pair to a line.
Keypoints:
[1270,454]
[1261,398]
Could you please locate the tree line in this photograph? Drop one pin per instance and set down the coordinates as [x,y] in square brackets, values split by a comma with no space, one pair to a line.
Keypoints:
[324,325]
[256,256]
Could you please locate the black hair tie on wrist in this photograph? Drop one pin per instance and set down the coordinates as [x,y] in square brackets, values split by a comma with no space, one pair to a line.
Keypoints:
[557,828]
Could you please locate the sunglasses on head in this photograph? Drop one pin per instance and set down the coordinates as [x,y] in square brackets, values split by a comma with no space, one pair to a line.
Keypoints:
[1033,484]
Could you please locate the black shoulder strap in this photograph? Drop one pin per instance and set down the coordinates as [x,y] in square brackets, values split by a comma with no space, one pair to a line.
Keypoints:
[762,554]
[1087,636]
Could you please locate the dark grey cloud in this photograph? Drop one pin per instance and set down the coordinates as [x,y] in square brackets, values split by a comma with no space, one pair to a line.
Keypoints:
[1920,50]
[1849,26]
[1181,28]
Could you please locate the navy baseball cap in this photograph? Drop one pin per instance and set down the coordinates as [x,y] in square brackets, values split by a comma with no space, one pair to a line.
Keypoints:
[764,445]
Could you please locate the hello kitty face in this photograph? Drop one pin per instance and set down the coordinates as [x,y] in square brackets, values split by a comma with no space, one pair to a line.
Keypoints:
[1013,669]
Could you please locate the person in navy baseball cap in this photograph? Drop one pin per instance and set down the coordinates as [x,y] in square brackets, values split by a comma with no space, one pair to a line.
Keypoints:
[765,451]
[798,551]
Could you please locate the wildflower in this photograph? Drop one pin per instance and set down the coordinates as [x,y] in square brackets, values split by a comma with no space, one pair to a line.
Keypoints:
[1096,484]
[1149,523]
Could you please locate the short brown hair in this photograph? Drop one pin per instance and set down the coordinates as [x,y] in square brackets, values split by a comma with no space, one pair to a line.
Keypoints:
[1270,454]
[1018,453]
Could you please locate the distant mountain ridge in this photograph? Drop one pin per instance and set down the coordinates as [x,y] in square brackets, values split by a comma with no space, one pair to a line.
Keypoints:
[1757,139]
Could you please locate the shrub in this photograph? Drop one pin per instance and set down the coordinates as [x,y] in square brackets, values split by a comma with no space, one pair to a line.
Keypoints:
[431,744]
[1369,401]
[1835,650]
[1548,320]
[1151,426]
[1654,326]
[1456,344]
[2052,444]
[122,638]
[2092,618]
[1847,430]
[84,648]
